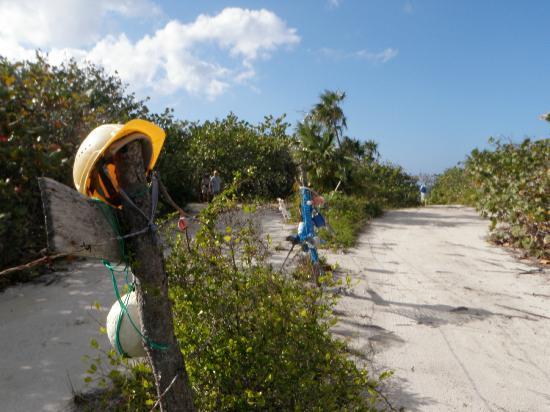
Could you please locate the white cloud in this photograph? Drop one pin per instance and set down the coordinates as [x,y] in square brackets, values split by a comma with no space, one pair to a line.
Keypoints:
[334,3]
[63,23]
[408,7]
[165,61]
[381,57]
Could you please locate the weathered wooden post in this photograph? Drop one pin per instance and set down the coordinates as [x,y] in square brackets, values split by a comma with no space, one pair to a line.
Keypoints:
[152,285]
[111,164]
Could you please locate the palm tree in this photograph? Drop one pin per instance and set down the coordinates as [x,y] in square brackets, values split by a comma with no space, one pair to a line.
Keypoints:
[359,151]
[316,152]
[329,113]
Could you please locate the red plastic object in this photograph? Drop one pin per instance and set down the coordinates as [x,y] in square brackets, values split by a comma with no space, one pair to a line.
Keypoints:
[182,224]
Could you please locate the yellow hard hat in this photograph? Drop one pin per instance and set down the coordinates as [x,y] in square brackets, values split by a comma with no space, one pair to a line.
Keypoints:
[94,172]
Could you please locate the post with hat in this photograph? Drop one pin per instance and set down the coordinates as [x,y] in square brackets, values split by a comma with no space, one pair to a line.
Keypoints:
[112,166]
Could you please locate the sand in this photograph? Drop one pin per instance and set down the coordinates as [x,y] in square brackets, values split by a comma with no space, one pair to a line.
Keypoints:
[464,325]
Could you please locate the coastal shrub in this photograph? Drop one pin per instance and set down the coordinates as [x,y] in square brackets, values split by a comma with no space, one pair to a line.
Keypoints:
[253,338]
[453,186]
[512,187]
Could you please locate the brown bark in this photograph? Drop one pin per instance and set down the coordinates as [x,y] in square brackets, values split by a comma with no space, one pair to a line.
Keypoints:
[152,286]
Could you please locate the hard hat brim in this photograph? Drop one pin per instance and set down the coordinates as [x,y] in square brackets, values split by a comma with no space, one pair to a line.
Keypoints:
[155,133]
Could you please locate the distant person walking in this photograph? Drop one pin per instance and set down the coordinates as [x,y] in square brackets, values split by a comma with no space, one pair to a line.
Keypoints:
[215,184]
[205,187]
[423,192]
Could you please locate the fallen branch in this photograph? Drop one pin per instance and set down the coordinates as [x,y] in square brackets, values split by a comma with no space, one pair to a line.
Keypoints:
[37,262]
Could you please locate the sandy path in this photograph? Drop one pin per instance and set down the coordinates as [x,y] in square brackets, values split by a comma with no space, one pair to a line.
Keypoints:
[463,324]
[45,329]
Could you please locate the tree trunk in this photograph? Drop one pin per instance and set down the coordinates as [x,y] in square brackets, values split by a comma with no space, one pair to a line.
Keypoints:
[147,264]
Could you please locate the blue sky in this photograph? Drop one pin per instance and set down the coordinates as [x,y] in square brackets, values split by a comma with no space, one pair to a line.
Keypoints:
[428,80]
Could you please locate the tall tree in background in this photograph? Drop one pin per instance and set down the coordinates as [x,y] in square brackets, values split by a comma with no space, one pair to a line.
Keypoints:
[317,153]
[329,113]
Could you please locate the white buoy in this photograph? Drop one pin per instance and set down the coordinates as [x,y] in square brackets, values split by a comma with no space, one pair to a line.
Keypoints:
[129,338]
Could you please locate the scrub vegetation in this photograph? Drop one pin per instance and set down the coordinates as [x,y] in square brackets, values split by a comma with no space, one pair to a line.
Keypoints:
[510,185]
[253,339]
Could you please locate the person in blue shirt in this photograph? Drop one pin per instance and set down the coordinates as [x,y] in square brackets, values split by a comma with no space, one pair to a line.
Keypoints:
[423,192]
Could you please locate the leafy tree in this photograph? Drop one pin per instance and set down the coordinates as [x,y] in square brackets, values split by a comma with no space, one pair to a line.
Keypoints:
[355,164]
[234,146]
[360,151]
[177,170]
[329,113]
[317,153]
[46,112]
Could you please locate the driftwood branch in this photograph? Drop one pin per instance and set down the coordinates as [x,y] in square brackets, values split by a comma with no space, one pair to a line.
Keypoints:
[37,262]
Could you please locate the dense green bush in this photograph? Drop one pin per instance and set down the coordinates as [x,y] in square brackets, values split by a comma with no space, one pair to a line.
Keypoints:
[347,215]
[388,185]
[45,112]
[176,170]
[231,145]
[453,186]
[512,184]
[253,339]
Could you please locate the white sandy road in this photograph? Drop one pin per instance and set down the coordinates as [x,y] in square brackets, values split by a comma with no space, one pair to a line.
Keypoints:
[45,329]
[464,325]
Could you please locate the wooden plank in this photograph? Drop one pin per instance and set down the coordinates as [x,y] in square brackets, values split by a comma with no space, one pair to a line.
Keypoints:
[75,224]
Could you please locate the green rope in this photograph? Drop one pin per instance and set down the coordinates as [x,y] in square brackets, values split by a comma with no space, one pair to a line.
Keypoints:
[124,311]
[112,219]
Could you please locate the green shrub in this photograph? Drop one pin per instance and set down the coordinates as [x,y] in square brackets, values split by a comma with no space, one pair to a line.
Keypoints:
[48,110]
[253,339]
[230,146]
[453,186]
[387,185]
[347,216]
[512,186]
